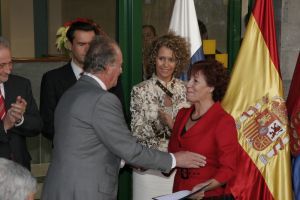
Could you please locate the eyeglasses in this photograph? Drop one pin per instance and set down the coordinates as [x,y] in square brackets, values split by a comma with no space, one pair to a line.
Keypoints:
[9,64]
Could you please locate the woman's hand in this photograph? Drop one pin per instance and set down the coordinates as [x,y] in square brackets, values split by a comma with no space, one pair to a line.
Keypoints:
[202,187]
[168,101]
[197,196]
[166,118]
[207,185]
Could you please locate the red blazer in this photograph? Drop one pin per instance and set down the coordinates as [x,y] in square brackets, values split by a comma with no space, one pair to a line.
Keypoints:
[213,136]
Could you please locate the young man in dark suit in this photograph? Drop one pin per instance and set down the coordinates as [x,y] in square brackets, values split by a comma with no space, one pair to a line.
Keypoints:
[56,82]
[18,111]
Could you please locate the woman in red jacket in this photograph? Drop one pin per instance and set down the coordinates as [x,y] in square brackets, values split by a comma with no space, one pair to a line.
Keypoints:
[207,129]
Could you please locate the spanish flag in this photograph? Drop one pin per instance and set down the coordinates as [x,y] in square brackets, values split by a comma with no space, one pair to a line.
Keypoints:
[255,99]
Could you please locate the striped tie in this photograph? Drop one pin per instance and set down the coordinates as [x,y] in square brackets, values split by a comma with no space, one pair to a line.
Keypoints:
[2,107]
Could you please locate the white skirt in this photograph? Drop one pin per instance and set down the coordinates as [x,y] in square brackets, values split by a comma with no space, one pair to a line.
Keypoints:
[150,183]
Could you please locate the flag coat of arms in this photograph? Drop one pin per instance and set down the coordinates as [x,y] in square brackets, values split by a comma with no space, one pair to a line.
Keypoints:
[255,99]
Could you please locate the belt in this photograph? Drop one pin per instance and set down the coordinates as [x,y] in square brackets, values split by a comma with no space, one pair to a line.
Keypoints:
[186,173]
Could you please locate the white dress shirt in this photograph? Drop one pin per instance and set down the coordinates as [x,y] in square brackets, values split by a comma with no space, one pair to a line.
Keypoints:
[76,69]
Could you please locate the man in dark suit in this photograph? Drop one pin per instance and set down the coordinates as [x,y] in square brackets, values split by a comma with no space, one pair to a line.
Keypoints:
[92,136]
[19,113]
[56,82]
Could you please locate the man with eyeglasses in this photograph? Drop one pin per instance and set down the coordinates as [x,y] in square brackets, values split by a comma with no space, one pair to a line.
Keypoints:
[19,116]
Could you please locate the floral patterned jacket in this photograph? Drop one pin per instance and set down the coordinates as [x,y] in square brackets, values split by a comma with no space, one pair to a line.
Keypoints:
[146,99]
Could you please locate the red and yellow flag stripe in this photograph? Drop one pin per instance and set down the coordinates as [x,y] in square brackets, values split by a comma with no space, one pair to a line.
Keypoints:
[255,99]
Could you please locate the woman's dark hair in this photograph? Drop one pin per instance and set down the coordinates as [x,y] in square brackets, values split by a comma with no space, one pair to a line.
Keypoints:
[215,75]
[179,47]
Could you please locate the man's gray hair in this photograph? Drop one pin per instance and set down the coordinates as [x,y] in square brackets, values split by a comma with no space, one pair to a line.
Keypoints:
[16,182]
[4,43]
[102,51]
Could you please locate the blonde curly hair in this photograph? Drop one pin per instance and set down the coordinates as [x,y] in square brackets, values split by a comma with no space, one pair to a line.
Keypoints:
[177,44]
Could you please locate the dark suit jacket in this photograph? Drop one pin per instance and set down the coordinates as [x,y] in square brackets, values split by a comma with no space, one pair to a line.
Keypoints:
[54,84]
[13,143]
[91,138]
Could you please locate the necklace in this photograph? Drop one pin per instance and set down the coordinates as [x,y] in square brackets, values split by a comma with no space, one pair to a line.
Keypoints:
[193,120]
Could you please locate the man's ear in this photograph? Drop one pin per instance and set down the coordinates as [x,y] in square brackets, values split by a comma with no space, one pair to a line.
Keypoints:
[107,69]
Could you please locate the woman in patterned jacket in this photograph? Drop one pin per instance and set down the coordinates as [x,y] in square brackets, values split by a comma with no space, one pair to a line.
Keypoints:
[152,101]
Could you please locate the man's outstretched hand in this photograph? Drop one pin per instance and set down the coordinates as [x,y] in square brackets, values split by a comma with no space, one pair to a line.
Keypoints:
[186,159]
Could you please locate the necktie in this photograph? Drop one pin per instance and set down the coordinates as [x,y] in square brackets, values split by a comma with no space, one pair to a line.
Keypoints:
[2,107]
[2,115]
